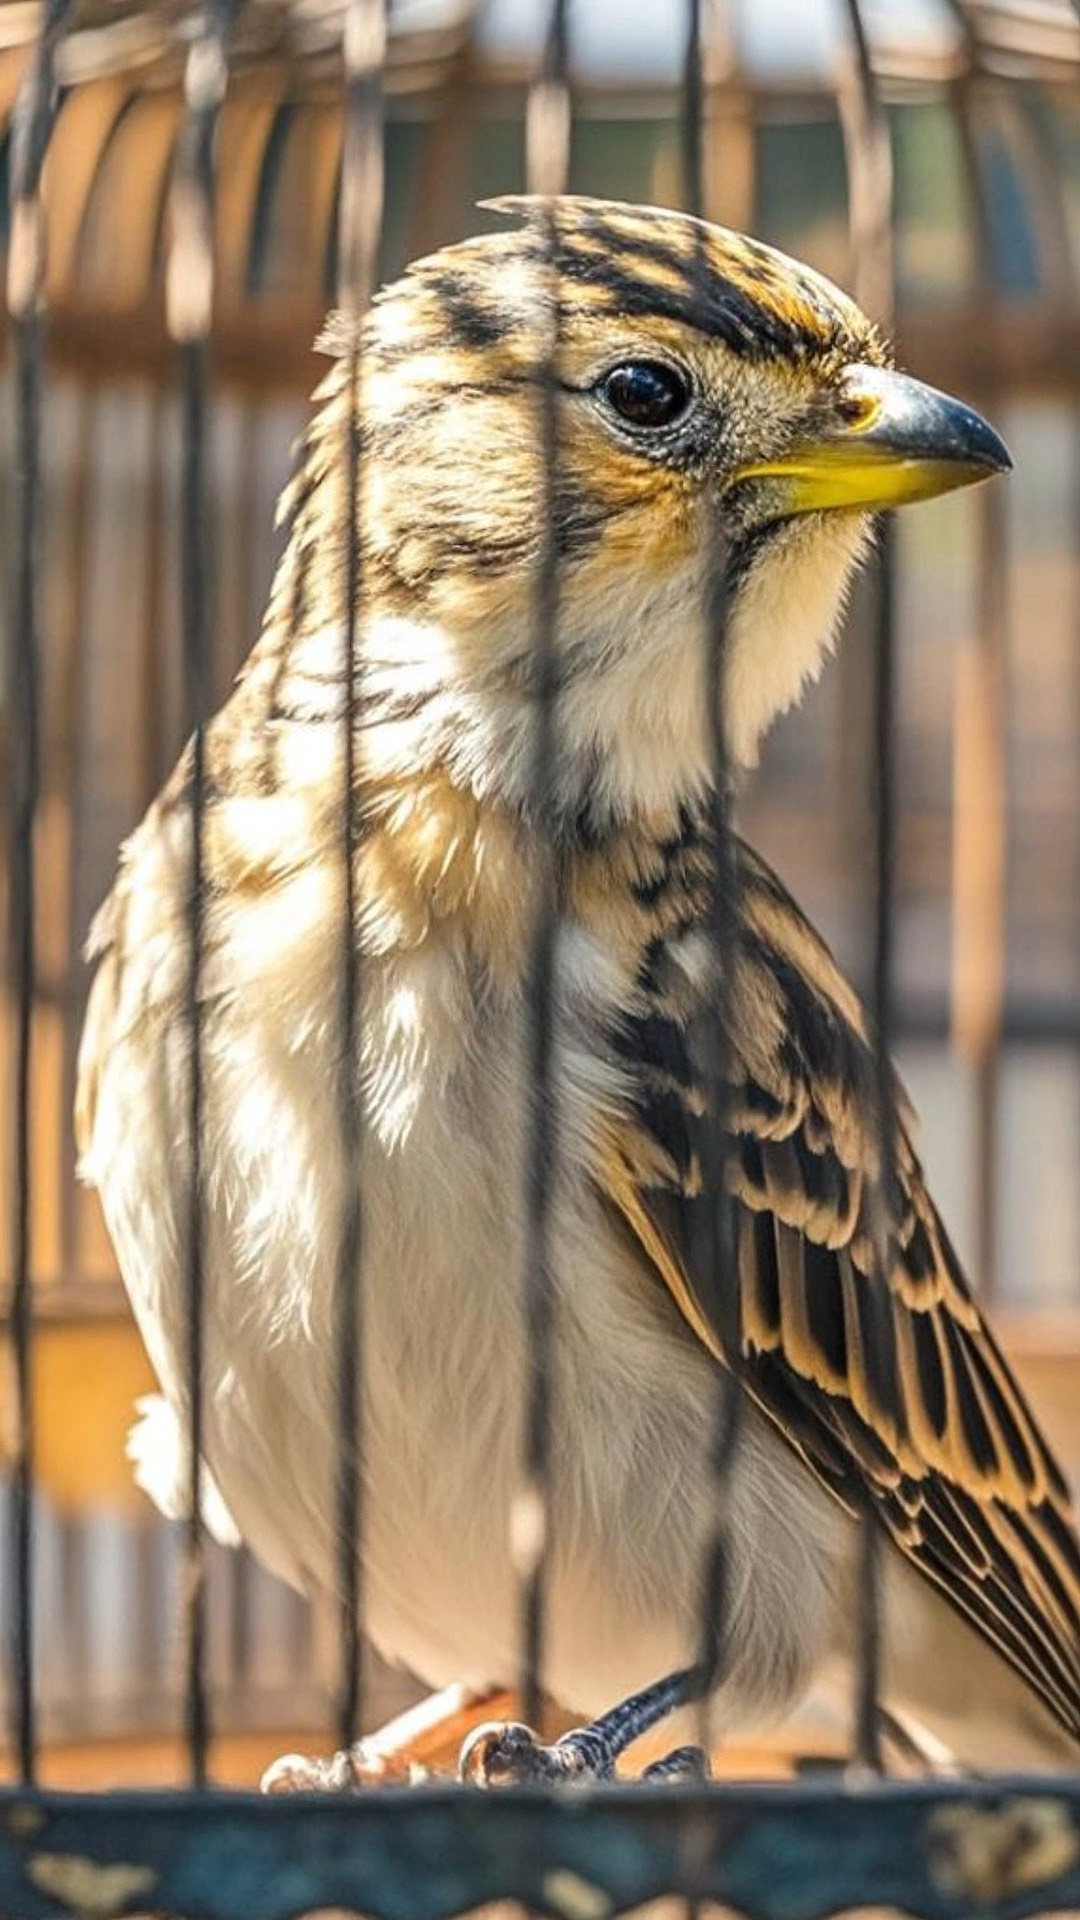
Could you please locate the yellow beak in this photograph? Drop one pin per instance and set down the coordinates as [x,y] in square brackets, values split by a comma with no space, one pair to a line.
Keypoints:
[893,440]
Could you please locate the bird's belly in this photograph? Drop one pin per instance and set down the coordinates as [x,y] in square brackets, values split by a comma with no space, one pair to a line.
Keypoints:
[630,1495]
[443,1387]
[443,1377]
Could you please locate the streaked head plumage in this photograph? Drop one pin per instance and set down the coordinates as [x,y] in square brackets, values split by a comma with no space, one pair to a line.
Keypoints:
[612,262]
[712,397]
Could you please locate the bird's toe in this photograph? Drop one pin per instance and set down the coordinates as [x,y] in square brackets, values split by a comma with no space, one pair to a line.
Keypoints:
[504,1753]
[347,1771]
[684,1763]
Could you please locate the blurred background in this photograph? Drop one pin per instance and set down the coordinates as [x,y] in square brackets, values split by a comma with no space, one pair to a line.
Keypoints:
[983,103]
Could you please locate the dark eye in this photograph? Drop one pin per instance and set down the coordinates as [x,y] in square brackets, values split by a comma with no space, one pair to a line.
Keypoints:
[646,393]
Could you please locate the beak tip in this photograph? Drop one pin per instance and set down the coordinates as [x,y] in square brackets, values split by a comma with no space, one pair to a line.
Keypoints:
[990,450]
[959,436]
[974,442]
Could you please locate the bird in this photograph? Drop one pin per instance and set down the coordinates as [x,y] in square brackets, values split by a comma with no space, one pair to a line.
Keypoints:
[717,410]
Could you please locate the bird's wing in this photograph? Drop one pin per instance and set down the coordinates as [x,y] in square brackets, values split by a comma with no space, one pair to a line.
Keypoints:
[886,1380]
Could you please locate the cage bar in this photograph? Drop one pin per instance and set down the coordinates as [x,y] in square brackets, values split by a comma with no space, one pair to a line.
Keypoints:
[868,155]
[32,126]
[977,1011]
[712,1251]
[359,232]
[547,158]
[189,308]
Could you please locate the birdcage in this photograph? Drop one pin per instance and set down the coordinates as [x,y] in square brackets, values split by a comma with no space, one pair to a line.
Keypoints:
[189,190]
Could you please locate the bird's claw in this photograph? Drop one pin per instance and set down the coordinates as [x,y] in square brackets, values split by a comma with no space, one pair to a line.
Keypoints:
[503,1753]
[684,1763]
[348,1771]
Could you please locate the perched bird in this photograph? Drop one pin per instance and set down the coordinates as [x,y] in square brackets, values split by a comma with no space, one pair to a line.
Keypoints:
[716,405]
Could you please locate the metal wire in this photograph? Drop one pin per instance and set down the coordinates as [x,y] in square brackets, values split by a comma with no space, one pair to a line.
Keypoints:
[33,119]
[712,1246]
[869,163]
[979,803]
[189,301]
[866,1745]
[359,232]
[547,158]
[692,116]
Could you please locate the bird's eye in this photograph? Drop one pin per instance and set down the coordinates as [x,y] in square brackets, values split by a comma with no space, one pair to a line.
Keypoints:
[646,393]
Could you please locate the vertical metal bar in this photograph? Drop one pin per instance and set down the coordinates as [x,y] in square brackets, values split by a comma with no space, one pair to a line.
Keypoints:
[979,751]
[32,125]
[547,161]
[867,1736]
[692,118]
[712,1252]
[360,228]
[870,190]
[189,304]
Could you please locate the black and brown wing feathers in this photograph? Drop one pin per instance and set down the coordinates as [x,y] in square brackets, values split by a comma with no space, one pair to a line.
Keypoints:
[896,1395]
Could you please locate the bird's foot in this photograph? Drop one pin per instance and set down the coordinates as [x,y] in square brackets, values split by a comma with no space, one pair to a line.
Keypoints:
[423,1739]
[347,1771]
[683,1763]
[505,1753]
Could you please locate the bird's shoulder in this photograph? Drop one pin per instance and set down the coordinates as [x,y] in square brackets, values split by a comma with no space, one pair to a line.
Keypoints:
[840,1301]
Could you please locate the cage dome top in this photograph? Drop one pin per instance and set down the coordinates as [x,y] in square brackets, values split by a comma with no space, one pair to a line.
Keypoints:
[771,41]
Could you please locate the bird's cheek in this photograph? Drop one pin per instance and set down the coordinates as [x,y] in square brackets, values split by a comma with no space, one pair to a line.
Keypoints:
[648,539]
[747,507]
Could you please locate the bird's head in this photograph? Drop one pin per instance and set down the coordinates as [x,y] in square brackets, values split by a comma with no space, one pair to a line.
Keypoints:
[718,408]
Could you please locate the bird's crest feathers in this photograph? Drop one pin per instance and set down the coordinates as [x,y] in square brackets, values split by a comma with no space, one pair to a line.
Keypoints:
[616,261]
[759,299]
